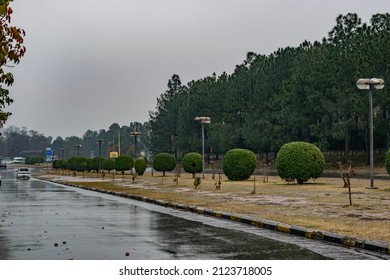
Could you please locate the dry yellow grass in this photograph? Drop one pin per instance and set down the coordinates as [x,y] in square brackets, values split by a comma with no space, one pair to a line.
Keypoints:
[322,204]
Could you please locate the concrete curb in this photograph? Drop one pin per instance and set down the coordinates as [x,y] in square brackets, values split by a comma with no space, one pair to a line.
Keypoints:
[370,245]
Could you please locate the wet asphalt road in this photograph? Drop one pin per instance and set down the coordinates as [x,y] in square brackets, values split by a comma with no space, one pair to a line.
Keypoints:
[46,221]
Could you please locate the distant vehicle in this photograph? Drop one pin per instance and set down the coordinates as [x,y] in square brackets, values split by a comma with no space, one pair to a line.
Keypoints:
[18,160]
[3,165]
[23,173]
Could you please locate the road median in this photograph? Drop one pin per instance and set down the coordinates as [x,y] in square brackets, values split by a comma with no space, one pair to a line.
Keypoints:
[242,205]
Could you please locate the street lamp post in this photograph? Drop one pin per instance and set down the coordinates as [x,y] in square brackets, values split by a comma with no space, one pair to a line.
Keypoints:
[203,120]
[62,153]
[369,84]
[119,142]
[135,134]
[100,141]
[78,146]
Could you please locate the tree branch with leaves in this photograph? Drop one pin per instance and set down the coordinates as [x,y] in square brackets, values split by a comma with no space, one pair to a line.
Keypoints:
[11,52]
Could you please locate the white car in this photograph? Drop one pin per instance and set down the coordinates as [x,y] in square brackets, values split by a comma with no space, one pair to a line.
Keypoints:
[23,173]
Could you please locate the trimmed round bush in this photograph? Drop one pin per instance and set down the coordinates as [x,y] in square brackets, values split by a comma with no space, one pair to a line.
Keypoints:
[123,163]
[96,164]
[299,161]
[89,165]
[108,164]
[77,164]
[239,164]
[387,161]
[140,166]
[58,164]
[192,163]
[164,162]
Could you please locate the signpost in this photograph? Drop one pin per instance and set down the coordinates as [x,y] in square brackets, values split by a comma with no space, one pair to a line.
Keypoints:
[49,154]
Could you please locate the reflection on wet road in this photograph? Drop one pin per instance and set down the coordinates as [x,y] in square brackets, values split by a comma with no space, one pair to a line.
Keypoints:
[45,221]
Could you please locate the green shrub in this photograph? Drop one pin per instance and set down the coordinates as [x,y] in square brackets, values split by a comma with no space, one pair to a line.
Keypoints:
[77,164]
[34,160]
[64,164]
[89,165]
[58,164]
[387,161]
[239,164]
[192,163]
[164,162]
[123,163]
[140,166]
[108,164]
[299,161]
[96,164]
[72,163]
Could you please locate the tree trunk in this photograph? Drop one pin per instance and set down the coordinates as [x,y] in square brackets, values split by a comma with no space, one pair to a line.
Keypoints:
[347,144]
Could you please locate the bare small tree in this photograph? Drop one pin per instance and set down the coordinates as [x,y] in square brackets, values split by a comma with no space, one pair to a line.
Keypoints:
[346,172]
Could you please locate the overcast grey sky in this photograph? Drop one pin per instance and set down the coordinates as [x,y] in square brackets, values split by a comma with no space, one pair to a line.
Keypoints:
[90,63]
